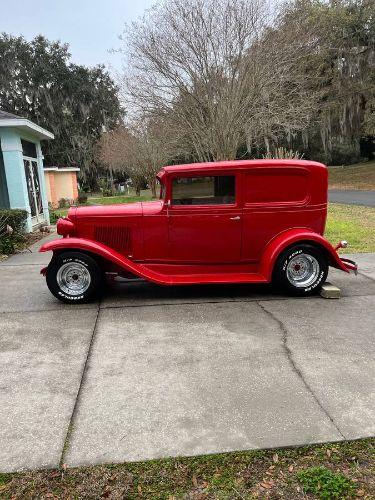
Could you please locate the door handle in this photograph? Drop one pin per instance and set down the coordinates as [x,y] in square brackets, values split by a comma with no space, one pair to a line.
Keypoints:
[235,218]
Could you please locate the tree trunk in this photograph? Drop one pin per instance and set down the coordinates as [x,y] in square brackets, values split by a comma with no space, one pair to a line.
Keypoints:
[152,183]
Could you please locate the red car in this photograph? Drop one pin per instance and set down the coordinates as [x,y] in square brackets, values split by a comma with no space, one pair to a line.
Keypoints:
[256,221]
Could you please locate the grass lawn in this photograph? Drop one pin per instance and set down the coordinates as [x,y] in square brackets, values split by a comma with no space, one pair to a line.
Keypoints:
[110,200]
[341,470]
[357,176]
[352,223]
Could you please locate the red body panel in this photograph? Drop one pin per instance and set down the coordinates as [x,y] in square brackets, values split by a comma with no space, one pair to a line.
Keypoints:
[277,203]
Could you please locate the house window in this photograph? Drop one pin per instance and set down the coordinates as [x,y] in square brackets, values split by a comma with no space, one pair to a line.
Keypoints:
[218,190]
[29,149]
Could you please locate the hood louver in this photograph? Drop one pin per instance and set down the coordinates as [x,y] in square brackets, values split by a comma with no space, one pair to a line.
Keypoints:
[118,238]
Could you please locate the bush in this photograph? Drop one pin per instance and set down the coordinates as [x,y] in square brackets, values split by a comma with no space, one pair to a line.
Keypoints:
[326,484]
[64,203]
[107,192]
[55,215]
[283,153]
[82,198]
[16,220]
[346,153]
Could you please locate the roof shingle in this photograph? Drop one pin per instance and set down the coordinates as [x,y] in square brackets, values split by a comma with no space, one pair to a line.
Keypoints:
[4,115]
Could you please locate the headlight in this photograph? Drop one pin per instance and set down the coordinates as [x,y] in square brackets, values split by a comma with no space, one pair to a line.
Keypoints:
[65,227]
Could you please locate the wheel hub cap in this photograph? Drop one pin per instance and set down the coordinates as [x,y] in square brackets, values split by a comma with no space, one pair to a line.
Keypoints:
[73,278]
[302,270]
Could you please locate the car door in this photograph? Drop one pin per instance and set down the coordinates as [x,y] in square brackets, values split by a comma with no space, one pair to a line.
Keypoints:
[204,217]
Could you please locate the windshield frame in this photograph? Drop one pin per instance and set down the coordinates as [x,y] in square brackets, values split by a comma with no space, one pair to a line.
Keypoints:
[162,187]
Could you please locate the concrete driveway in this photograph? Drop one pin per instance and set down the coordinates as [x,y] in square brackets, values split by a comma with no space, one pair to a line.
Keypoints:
[352,197]
[152,372]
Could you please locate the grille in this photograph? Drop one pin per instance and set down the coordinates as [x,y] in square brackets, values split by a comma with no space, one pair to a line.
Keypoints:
[117,238]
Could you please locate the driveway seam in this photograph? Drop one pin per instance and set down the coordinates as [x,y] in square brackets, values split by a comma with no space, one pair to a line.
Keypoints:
[295,368]
[57,310]
[80,388]
[22,265]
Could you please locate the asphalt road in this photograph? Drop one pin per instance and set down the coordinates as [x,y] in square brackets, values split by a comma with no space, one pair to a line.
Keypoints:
[156,371]
[352,197]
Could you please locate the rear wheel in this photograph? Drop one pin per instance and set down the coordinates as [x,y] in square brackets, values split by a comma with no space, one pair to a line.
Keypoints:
[74,277]
[301,270]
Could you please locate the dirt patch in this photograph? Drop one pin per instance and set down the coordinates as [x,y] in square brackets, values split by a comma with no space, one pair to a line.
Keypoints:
[322,471]
[28,240]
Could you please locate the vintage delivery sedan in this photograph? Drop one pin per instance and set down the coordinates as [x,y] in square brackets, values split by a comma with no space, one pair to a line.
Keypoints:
[257,221]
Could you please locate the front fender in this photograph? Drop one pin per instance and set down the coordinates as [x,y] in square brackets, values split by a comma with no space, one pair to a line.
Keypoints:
[290,237]
[106,253]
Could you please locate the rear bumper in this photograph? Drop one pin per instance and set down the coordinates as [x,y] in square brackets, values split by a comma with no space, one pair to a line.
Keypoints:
[346,264]
[350,265]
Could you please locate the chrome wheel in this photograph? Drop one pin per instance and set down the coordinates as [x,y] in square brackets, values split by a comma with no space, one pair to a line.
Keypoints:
[73,278]
[302,270]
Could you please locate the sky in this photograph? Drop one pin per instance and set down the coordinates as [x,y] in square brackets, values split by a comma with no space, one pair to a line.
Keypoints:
[90,27]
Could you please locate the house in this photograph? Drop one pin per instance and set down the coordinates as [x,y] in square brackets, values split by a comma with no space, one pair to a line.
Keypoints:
[22,183]
[61,183]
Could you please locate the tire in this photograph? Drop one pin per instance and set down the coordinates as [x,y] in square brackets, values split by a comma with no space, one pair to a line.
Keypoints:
[74,277]
[301,270]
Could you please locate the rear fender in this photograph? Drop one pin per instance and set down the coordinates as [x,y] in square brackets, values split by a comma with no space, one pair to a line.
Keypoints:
[293,236]
[66,244]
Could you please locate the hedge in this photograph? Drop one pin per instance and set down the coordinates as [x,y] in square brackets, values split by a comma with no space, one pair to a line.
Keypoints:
[16,219]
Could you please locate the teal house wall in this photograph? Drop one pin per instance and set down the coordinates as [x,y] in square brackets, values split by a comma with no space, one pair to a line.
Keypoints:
[15,189]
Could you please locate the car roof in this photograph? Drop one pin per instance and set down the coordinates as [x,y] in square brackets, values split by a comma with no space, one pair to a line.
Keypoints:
[239,164]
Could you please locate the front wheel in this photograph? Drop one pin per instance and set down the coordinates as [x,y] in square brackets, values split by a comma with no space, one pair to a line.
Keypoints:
[301,270]
[74,277]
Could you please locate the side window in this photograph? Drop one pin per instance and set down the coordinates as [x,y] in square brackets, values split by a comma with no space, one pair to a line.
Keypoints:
[270,185]
[217,190]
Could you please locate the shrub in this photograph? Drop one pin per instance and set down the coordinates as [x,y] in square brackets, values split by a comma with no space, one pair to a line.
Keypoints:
[82,198]
[53,217]
[283,153]
[326,484]
[107,192]
[346,153]
[16,220]
[64,203]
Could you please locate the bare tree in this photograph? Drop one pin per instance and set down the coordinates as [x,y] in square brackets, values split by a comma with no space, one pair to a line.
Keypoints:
[212,69]
[119,151]
[138,151]
[156,146]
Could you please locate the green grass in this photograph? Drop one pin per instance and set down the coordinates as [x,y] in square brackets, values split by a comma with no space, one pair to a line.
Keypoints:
[4,478]
[325,484]
[357,176]
[343,468]
[352,223]
[110,200]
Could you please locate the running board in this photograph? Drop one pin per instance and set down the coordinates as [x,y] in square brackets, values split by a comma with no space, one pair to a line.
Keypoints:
[209,278]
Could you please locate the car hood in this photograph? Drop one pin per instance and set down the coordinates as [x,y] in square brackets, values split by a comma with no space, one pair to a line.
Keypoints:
[121,209]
